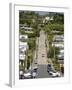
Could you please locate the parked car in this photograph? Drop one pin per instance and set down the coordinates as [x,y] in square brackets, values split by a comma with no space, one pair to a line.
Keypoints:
[21,76]
[34,74]
[27,75]
[49,67]
[54,74]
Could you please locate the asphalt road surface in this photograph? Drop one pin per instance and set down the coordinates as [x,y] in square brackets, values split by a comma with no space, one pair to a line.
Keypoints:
[41,60]
[42,55]
[42,72]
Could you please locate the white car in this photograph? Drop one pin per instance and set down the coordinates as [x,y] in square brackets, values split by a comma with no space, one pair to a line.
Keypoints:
[54,74]
[27,75]
[34,74]
[21,72]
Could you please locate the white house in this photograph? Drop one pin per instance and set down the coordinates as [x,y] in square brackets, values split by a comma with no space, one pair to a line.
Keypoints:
[61,56]
[55,31]
[58,38]
[23,37]
[22,57]
[23,25]
[47,18]
[60,45]
[26,28]
[22,50]
[23,44]
[61,62]
[62,51]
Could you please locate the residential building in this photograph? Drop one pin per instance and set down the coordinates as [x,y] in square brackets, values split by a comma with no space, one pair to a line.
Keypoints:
[23,38]
[58,38]
[59,45]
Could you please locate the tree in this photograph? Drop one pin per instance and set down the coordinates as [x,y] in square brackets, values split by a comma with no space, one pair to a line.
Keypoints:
[50,53]
[53,52]
[59,18]
[32,44]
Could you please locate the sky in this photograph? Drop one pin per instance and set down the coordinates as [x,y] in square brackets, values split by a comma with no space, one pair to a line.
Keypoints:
[42,12]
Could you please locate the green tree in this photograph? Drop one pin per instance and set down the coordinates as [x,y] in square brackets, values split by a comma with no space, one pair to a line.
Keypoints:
[59,18]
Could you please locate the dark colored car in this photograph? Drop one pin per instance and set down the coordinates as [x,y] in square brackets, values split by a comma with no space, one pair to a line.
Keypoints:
[34,70]
[21,76]
[49,67]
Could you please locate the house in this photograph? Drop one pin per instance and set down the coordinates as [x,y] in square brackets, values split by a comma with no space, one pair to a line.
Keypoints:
[61,57]
[62,51]
[22,57]
[26,28]
[23,25]
[58,38]
[23,44]
[61,62]
[23,38]
[59,45]
[47,18]
[55,31]
[22,50]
